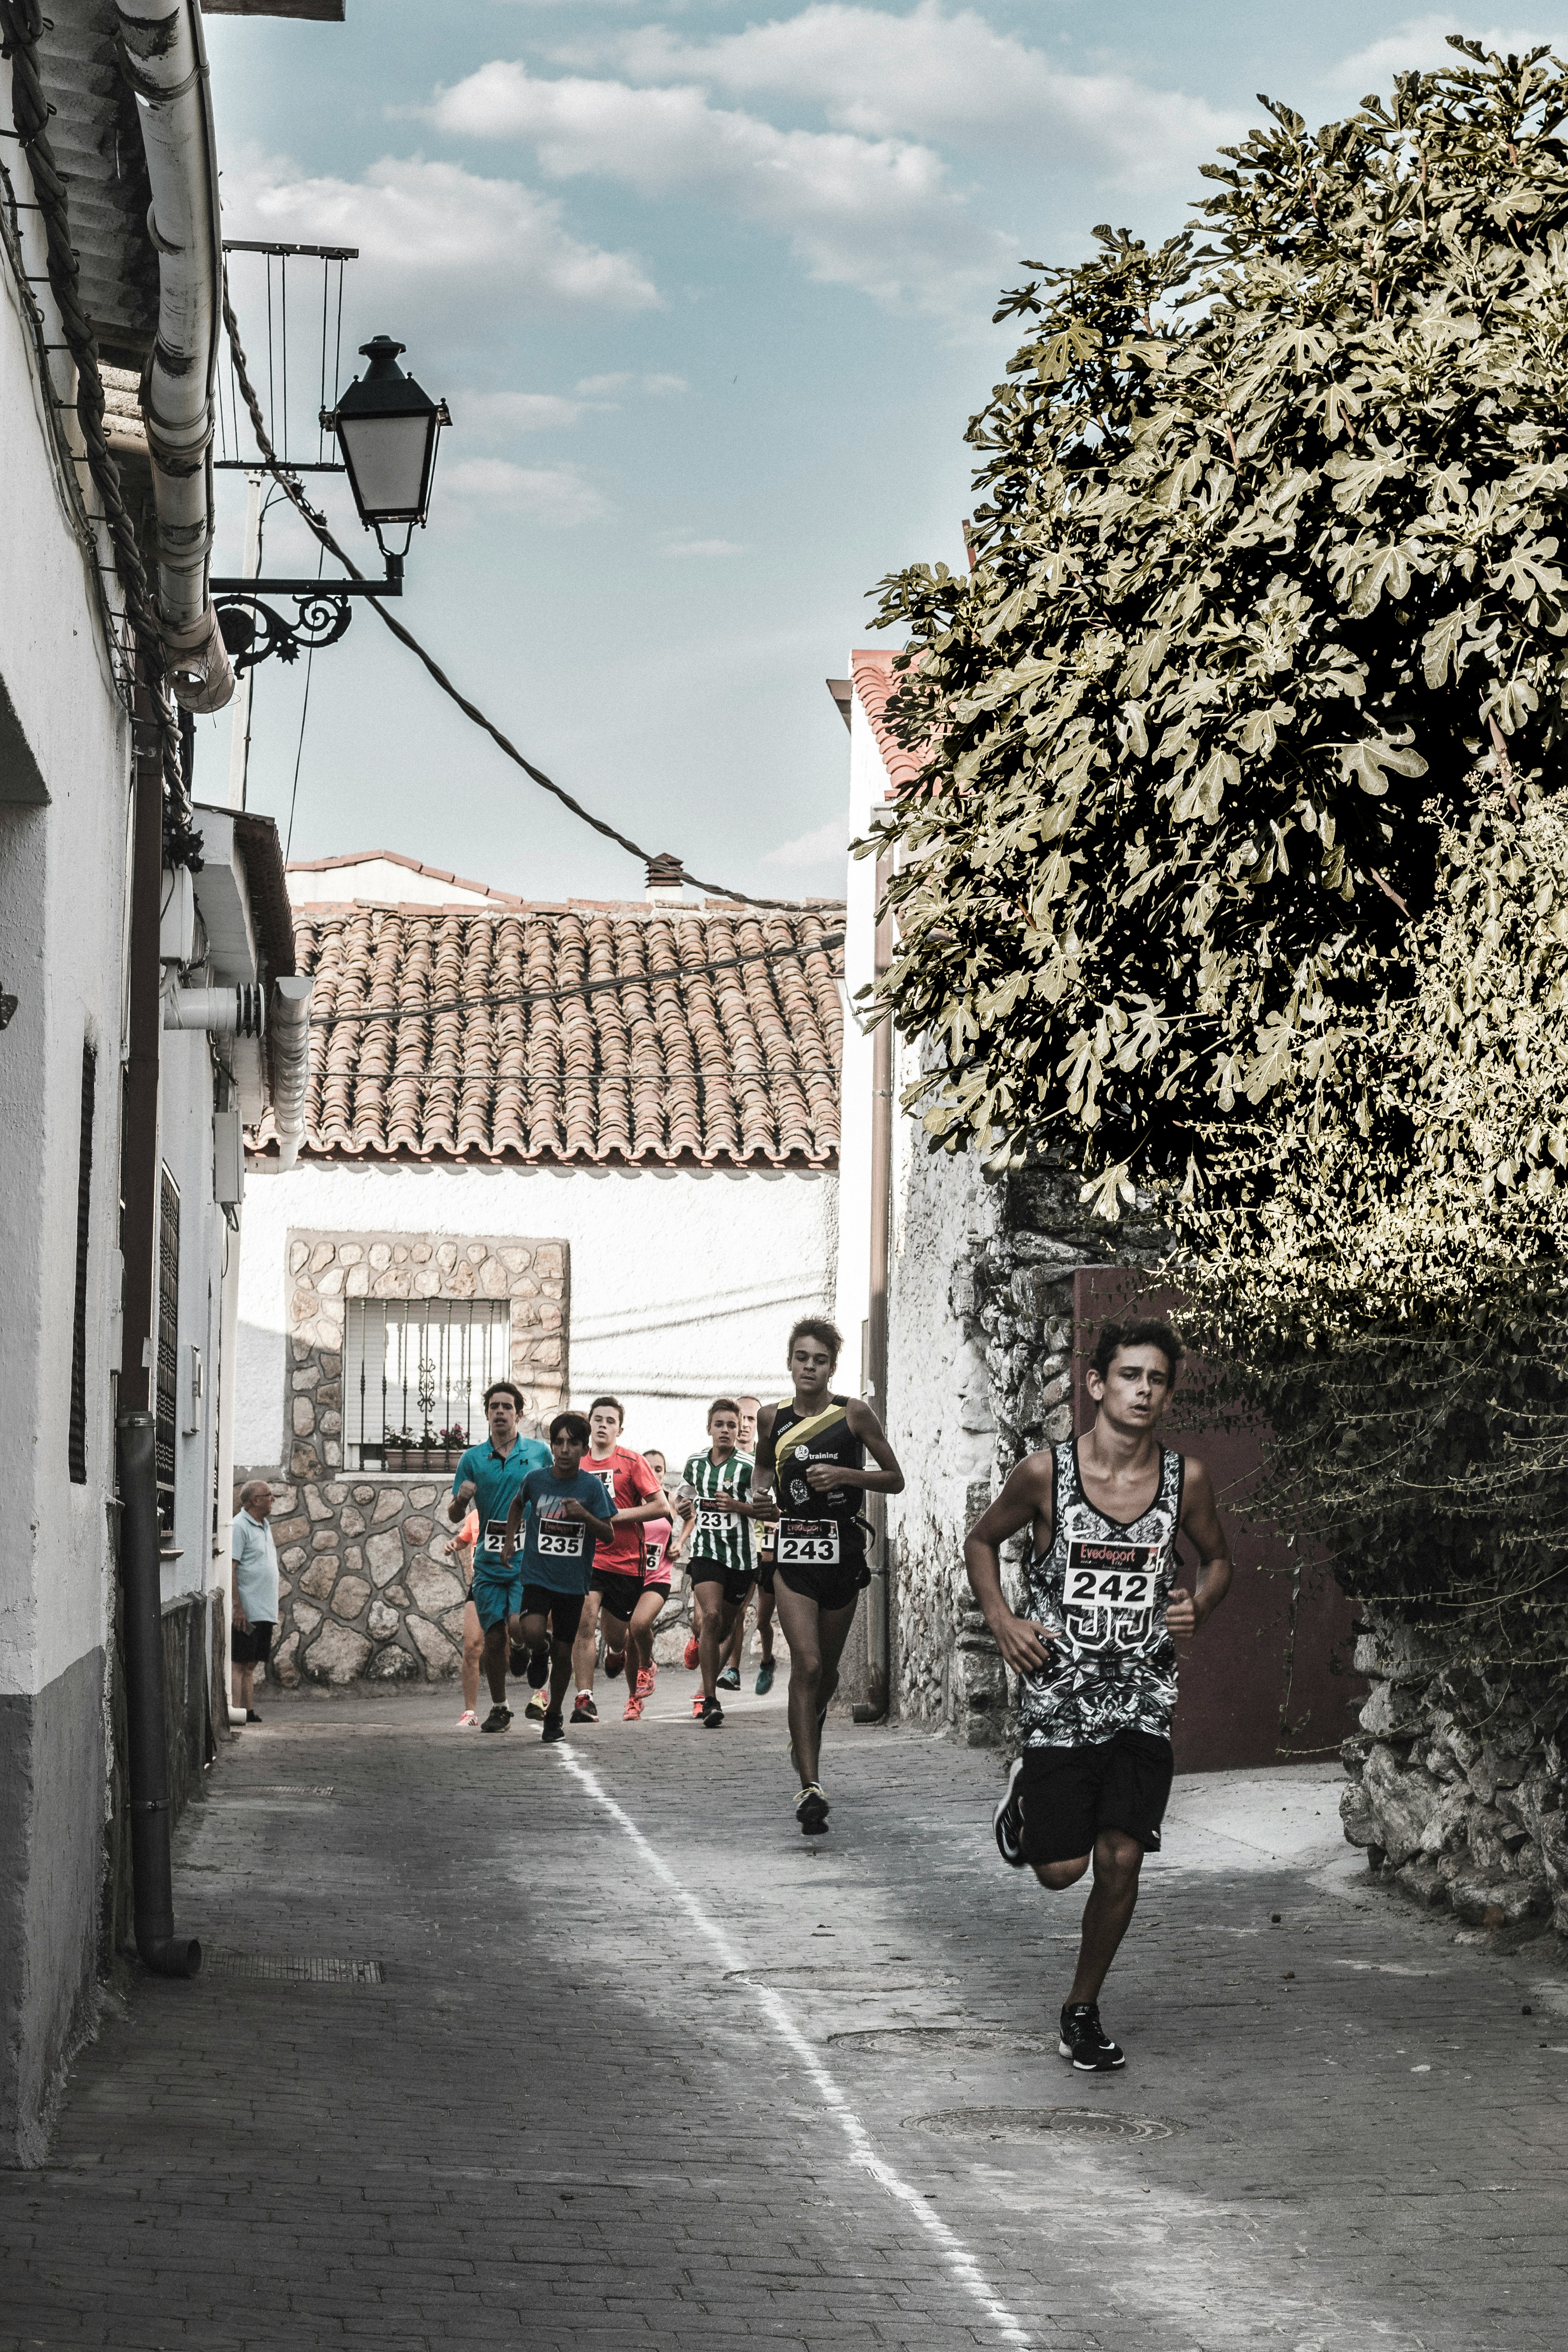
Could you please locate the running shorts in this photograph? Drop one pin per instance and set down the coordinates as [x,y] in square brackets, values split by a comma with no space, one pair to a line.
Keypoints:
[1067,1795]
[737,1582]
[564,1609]
[833,1583]
[496,1597]
[620,1593]
[252,1647]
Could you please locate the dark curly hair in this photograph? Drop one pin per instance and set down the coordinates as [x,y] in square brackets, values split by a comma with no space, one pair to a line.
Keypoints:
[1149,1331]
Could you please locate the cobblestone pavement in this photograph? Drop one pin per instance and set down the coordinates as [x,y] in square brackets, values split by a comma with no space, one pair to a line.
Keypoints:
[615,2090]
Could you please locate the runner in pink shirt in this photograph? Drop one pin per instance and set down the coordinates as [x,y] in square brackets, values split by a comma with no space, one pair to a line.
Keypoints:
[637,1498]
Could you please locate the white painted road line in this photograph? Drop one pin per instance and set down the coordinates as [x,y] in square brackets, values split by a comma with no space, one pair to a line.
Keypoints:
[959,2262]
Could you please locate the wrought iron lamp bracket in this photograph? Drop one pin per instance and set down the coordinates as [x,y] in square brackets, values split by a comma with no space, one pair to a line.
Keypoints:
[253,628]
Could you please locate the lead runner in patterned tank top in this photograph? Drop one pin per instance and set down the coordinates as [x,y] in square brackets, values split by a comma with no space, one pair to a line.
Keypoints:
[1093,1644]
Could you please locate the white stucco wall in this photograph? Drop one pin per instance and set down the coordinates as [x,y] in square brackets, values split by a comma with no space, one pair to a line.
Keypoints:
[61,911]
[868,795]
[186,1141]
[683,1282]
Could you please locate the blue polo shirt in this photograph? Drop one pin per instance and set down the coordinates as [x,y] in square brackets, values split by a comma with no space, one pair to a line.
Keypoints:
[497,1479]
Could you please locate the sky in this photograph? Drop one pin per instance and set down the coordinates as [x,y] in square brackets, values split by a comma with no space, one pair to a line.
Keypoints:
[708,292]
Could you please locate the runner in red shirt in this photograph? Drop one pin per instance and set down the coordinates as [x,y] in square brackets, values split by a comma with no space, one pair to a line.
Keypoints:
[635,1495]
[636,1632]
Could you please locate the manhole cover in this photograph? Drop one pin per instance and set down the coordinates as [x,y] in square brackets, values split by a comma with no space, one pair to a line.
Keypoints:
[1038,2123]
[842,1978]
[940,2038]
[265,1968]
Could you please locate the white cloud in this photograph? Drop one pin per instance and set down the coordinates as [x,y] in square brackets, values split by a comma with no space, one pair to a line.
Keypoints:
[946,75]
[498,415]
[434,228]
[1420,45]
[597,387]
[704,547]
[816,852]
[555,495]
[876,214]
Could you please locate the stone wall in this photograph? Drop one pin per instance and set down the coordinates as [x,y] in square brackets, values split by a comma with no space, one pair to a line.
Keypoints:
[1468,1819]
[327,1269]
[365,1589]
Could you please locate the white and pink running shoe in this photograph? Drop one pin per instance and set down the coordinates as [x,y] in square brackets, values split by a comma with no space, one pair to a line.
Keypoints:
[468,1720]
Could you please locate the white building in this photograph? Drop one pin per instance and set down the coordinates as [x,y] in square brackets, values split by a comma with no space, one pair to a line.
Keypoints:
[593,1147]
[116,1146]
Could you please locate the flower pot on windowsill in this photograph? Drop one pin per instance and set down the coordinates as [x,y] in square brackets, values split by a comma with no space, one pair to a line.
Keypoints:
[421,1459]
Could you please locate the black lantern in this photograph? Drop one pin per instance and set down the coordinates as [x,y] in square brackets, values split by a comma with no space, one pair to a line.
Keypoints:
[387,427]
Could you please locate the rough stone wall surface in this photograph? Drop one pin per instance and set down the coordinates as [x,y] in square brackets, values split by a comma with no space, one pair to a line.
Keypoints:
[980,1373]
[325,1270]
[1468,1817]
[365,1587]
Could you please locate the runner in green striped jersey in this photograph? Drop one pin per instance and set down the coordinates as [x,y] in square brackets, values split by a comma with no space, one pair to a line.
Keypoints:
[719,1560]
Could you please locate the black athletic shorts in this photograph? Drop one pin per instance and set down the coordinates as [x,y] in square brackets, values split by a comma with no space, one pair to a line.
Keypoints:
[1067,1795]
[737,1582]
[620,1593]
[564,1609]
[838,1586]
[253,1647]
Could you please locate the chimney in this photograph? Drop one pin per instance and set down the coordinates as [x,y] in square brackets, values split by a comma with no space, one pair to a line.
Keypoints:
[665,880]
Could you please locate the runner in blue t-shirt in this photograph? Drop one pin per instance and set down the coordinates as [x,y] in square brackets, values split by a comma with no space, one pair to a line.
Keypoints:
[488,1476]
[568,1516]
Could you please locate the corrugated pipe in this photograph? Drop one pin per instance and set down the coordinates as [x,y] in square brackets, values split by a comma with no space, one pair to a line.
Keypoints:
[288,1034]
[147,1755]
[225,1012]
[163,58]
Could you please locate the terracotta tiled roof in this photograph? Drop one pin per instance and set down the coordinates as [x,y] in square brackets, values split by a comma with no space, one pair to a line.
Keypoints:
[679,1061]
[302,892]
[874,682]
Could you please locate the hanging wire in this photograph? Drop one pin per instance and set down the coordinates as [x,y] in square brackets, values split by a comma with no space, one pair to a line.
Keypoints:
[271,385]
[305,704]
[283,304]
[321,405]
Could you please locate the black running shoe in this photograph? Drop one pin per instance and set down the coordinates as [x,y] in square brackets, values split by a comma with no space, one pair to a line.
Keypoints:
[1086,2043]
[811,1810]
[516,1659]
[553,1727]
[538,1667]
[583,1710]
[1007,1820]
[712,1715]
[498,1719]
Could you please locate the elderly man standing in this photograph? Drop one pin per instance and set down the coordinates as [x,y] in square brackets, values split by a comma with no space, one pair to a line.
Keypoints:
[254,1556]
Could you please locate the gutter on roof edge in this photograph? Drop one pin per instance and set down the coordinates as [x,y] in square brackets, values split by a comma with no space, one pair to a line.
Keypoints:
[289,1043]
[163,59]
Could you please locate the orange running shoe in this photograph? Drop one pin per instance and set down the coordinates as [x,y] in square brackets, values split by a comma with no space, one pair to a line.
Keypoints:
[697,1705]
[689,1658]
[645,1682]
[631,1711]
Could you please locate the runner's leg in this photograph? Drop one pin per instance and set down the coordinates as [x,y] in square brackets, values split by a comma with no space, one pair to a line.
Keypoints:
[717,1623]
[585,1649]
[639,1638]
[816,1638]
[1108,1914]
[494,1656]
[766,1603]
[473,1645]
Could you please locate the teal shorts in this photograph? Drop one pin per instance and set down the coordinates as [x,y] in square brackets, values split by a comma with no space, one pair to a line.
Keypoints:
[497,1597]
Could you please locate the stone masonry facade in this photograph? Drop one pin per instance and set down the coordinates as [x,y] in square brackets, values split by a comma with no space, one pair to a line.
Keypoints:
[1459,1790]
[367,1590]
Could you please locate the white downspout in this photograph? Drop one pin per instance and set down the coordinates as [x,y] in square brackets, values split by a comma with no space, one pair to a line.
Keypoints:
[288,1034]
[164,61]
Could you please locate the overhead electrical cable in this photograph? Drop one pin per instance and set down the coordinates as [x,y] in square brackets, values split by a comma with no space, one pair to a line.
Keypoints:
[318,524]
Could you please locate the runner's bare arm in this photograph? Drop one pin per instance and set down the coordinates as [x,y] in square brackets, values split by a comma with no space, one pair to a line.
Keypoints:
[457,1508]
[636,1513]
[887,1478]
[1185,1611]
[514,1522]
[1028,1495]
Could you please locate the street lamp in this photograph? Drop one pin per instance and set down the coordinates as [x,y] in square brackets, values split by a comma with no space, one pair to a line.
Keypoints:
[387,427]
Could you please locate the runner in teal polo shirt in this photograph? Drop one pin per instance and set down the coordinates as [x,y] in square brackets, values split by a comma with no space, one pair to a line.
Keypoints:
[488,1476]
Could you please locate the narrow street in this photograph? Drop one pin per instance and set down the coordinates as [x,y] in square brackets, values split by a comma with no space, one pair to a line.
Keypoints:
[606,2084]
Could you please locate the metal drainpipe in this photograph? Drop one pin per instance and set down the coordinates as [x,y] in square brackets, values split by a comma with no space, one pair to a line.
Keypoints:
[140,1566]
[878,1612]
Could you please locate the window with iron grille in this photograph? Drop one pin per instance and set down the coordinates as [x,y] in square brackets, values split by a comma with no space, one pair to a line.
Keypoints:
[78,1440]
[168,1353]
[415,1375]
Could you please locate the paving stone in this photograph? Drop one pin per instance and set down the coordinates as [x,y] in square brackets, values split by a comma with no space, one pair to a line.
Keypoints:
[560,2121]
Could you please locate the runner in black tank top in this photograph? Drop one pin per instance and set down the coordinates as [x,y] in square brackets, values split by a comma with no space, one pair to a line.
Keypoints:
[811,1453]
[1093,1648]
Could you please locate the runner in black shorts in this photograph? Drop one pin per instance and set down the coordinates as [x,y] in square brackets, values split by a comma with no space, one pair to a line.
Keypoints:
[811,1452]
[1093,1649]
[562,1515]
[748,1407]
